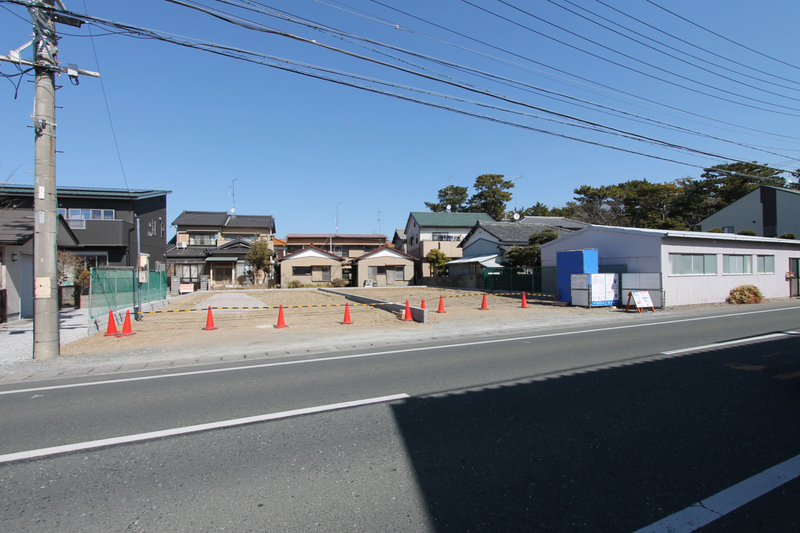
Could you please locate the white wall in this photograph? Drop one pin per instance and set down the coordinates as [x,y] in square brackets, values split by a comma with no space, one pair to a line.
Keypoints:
[715,288]
[12,278]
[640,252]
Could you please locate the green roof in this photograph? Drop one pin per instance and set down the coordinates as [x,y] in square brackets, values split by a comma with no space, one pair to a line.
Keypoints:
[427,218]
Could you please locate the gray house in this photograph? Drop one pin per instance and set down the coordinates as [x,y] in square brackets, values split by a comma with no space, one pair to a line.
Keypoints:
[104,221]
[769,211]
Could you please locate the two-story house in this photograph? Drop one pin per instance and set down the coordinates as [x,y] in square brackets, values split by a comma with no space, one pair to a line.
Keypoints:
[426,231]
[213,244]
[104,221]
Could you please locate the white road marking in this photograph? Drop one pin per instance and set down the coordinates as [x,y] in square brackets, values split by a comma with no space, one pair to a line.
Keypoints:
[748,340]
[704,512]
[42,452]
[389,352]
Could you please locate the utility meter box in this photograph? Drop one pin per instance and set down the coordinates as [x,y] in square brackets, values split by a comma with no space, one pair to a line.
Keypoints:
[144,268]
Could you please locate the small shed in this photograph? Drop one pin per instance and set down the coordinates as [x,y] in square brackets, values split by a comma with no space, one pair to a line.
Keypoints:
[384,267]
[310,266]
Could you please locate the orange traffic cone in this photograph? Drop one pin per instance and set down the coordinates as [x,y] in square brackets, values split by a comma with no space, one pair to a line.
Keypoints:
[281,323]
[441,304]
[484,307]
[407,316]
[111,331]
[126,327]
[347,313]
[209,321]
[422,305]
[524,301]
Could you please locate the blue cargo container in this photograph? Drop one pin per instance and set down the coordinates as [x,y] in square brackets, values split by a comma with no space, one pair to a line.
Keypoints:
[571,262]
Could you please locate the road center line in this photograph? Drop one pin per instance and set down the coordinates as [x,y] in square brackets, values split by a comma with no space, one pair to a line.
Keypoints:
[704,512]
[42,452]
[390,352]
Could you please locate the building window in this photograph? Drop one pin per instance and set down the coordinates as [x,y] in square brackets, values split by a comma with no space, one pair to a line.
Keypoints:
[86,214]
[692,264]
[765,264]
[737,264]
[399,273]
[727,229]
[301,271]
[200,239]
[321,273]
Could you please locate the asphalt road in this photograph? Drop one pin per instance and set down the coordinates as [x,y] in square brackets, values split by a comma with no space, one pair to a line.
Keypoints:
[564,430]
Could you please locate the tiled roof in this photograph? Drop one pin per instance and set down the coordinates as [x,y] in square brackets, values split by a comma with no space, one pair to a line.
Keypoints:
[250,221]
[325,236]
[559,222]
[190,252]
[425,218]
[201,218]
[384,247]
[511,233]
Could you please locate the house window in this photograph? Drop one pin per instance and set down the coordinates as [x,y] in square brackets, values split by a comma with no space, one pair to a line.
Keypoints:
[692,264]
[727,229]
[321,273]
[200,239]
[765,264]
[86,214]
[301,271]
[399,272]
[737,264]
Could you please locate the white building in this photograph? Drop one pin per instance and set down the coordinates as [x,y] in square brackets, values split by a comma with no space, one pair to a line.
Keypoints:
[696,267]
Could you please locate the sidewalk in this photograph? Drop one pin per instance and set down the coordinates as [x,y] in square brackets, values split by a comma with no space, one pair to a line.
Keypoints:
[16,337]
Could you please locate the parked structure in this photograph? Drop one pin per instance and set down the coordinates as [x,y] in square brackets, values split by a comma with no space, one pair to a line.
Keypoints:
[695,267]
[384,267]
[16,260]
[310,266]
[769,211]
[426,231]
[104,221]
[212,245]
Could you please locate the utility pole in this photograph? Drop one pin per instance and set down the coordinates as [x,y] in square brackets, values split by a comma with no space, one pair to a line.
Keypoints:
[45,264]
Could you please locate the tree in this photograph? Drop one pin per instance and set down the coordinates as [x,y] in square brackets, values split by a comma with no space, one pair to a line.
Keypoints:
[259,256]
[531,255]
[452,195]
[70,267]
[600,205]
[437,261]
[491,195]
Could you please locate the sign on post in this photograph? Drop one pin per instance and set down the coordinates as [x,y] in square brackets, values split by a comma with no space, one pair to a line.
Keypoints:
[641,300]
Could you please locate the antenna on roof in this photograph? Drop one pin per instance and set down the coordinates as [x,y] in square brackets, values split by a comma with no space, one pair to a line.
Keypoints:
[448,207]
[337,217]
[233,194]
[379,221]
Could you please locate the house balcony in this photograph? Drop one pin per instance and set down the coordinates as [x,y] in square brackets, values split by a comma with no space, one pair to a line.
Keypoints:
[102,232]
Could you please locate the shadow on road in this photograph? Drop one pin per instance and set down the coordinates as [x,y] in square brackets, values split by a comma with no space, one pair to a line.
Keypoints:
[609,450]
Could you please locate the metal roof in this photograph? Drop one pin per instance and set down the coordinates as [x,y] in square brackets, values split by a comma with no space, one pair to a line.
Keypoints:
[85,192]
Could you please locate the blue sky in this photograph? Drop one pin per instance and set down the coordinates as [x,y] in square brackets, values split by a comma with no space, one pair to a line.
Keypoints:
[300,148]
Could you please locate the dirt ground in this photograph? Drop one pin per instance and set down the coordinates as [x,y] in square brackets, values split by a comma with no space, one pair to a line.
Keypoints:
[311,314]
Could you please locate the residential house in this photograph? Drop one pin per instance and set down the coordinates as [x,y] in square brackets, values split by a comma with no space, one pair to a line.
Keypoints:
[384,267]
[16,260]
[426,231]
[769,211]
[694,267]
[399,240]
[212,245]
[104,221]
[310,266]
[486,243]
[346,246]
